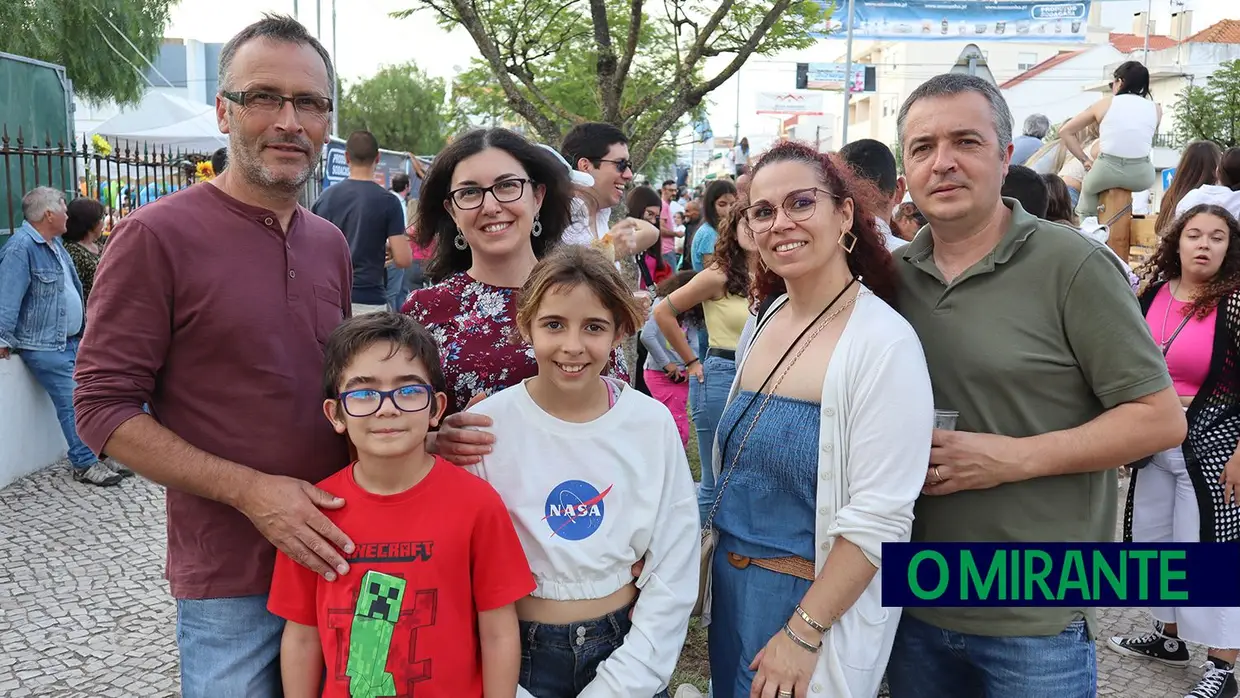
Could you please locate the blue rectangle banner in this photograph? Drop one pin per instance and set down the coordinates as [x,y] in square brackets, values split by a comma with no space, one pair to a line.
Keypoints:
[926,20]
[1061,574]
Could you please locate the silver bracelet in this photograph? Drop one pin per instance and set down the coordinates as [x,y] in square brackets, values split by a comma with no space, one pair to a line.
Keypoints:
[810,621]
[812,649]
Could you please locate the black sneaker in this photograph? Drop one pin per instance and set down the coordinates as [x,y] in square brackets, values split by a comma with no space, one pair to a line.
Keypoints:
[1219,681]
[1155,645]
[97,474]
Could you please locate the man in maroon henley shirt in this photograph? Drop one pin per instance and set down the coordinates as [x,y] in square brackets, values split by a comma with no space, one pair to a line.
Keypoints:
[212,305]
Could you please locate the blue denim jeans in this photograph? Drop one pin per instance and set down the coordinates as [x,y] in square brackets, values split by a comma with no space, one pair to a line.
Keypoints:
[929,662]
[229,647]
[557,661]
[394,284]
[706,410]
[54,371]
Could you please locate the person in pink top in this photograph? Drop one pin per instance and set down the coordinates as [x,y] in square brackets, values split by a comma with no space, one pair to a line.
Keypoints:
[667,225]
[1191,493]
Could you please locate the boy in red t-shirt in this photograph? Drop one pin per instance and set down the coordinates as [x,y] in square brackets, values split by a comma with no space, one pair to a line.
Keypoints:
[426,609]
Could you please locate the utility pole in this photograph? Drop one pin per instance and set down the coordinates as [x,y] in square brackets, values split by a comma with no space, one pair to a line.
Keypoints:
[1149,7]
[336,81]
[736,137]
[848,73]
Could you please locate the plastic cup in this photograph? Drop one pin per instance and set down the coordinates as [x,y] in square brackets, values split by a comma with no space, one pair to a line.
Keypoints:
[945,419]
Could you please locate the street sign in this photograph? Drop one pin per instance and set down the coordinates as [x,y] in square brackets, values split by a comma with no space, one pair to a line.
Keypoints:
[1167,176]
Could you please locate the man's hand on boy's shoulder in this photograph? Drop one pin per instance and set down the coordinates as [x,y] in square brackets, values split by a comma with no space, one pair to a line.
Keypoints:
[287,512]
[459,440]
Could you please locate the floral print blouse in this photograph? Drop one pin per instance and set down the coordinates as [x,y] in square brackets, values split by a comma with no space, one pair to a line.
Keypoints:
[86,263]
[475,326]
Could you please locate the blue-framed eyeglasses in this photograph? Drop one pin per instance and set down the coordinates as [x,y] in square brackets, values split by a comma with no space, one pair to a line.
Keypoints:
[367,401]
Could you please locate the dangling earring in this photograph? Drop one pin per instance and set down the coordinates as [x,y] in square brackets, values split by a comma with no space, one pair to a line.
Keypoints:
[536,230]
[847,240]
[459,241]
[762,266]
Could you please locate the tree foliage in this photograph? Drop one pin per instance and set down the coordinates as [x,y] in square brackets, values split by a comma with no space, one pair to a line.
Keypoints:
[91,39]
[1212,112]
[638,65]
[401,105]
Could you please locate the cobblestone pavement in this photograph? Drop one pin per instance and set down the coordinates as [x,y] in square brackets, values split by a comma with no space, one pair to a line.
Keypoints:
[84,610]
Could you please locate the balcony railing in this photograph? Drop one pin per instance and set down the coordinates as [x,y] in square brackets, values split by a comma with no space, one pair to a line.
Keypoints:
[1167,140]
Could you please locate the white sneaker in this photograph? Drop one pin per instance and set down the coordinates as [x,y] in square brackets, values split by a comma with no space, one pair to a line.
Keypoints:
[688,690]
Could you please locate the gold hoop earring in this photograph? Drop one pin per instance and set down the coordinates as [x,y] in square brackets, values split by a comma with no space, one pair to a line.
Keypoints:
[851,241]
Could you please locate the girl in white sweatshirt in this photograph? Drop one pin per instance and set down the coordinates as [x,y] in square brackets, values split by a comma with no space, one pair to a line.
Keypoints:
[595,478]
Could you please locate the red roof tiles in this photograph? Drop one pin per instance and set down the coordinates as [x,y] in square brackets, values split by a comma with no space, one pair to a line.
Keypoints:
[1127,43]
[1225,31]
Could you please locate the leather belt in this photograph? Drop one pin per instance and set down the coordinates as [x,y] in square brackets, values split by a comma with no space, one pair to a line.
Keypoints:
[728,354]
[795,566]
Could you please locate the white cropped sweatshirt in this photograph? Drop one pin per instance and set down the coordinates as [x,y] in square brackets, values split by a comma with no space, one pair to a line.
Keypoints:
[589,500]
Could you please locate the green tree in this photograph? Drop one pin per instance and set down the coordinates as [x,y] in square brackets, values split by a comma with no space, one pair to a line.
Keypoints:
[401,105]
[91,39]
[1211,112]
[555,63]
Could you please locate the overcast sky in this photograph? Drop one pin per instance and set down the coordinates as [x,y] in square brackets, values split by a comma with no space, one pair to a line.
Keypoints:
[368,39]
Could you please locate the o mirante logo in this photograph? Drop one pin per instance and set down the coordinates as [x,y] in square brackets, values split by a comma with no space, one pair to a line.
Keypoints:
[1060,574]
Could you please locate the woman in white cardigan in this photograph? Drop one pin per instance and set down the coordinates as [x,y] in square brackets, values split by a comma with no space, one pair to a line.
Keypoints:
[822,449]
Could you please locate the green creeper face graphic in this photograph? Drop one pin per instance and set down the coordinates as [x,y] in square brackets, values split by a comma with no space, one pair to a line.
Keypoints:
[379,597]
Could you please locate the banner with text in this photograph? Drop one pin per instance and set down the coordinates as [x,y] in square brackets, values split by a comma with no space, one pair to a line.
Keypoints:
[789,103]
[831,77]
[927,20]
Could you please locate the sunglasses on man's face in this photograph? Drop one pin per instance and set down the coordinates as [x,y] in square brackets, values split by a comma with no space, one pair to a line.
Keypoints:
[622,165]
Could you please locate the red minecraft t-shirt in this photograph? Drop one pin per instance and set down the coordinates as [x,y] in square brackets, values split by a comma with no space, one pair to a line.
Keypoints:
[403,621]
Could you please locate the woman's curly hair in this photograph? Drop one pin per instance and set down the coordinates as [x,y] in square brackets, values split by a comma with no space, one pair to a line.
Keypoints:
[731,258]
[1164,264]
[869,260]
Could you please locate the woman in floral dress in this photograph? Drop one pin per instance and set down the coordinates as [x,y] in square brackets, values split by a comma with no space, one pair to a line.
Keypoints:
[492,204]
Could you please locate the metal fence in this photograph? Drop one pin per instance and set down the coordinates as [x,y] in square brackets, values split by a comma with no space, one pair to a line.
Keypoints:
[122,175]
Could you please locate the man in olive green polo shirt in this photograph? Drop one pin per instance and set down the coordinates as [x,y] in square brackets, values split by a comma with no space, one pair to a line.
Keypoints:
[1033,335]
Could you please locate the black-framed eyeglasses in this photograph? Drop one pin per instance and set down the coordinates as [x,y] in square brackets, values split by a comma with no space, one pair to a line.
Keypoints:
[261,100]
[798,206]
[505,191]
[622,165]
[367,401]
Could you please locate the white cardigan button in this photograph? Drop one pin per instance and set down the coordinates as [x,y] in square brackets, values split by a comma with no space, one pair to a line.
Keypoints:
[816,688]
[825,546]
[830,411]
[826,475]
[823,511]
[826,448]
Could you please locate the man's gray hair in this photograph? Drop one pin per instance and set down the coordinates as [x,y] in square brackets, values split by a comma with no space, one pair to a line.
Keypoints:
[1037,126]
[949,84]
[38,201]
[273,27]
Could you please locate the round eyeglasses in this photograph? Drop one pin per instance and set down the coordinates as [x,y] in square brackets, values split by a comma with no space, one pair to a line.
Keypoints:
[505,192]
[367,401]
[798,206]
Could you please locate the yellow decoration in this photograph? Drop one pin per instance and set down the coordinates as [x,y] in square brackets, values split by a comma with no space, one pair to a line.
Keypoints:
[205,171]
[102,147]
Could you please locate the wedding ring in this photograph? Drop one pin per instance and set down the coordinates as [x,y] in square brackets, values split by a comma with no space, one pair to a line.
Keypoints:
[784,694]
[937,478]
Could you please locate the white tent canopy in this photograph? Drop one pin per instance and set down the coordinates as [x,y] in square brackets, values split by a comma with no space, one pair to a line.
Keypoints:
[166,120]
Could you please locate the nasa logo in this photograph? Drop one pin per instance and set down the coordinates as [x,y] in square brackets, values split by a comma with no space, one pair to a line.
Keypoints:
[575,509]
